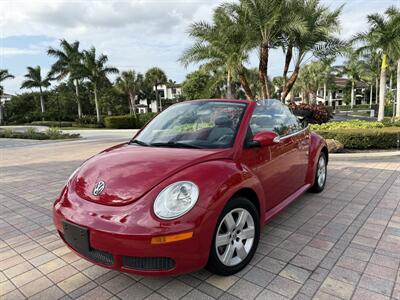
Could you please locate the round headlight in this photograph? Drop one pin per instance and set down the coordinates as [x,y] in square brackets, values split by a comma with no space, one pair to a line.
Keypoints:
[176,200]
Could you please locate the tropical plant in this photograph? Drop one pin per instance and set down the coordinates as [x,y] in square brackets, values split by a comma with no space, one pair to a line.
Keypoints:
[34,79]
[4,74]
[268,20]
[316,39]
[96,70]
[353,68]
[155,77]
[224,45]
[383,37]
[129,83]
[68,65]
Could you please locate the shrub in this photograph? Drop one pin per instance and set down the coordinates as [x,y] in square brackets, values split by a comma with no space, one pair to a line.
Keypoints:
[52,123]
[364,138]
[391,122]
[348,125]
[120,122]
[86,120]
[128,121]
[31,133]
[313,113]
[142,119]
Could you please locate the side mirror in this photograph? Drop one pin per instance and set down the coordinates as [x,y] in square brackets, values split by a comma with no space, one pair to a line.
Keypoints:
[264,138]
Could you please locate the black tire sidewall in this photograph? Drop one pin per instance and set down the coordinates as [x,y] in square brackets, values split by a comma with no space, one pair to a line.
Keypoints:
[214,264]
[316,187]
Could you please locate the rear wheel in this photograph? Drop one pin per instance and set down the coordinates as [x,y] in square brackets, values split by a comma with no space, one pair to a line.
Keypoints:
[235,238]
[320,174]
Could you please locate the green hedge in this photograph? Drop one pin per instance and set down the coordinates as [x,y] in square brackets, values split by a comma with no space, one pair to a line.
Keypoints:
[52,123]
[364,138]
[32,134]
[128,121]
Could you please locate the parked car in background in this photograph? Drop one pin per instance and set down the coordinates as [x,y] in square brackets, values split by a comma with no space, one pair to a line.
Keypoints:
[192,189]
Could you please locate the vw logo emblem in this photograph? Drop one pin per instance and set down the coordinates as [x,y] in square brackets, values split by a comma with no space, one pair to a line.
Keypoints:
[98,188]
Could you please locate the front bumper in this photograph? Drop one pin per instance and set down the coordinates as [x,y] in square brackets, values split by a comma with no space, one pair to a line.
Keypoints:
[120,236]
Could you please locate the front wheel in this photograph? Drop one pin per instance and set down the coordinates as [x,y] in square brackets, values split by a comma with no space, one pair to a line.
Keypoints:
[320,174]
[235,238]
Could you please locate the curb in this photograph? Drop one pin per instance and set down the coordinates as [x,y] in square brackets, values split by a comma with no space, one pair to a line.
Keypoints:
[394,155]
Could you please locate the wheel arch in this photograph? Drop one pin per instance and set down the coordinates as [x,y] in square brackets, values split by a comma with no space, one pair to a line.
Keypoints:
[251,195]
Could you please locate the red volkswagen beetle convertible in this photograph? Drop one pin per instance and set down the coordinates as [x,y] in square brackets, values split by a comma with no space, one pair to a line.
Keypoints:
[192,189]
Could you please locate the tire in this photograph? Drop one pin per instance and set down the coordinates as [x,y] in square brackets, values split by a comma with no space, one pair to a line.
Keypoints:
[320,174]
[239,240]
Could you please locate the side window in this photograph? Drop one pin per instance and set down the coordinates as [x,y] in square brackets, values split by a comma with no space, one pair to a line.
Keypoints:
[272,115]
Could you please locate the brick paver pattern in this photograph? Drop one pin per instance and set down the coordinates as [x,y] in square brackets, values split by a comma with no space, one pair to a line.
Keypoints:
[341,244]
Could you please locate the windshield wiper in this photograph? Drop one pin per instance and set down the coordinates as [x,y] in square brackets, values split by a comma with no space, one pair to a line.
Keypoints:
[175,145]
[133,141]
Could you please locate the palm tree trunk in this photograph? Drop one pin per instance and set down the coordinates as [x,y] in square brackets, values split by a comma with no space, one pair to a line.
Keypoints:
[292,79]
[228,85]
[370,95]
[288,59]
[376,89]
[96,102]
[130,106]
[158,99]
[382,89]
[245,83]
[324,92]
[398,90]
[78,101]
[41,101]
[262,71]
[132,103]
[1,113]
[352,95]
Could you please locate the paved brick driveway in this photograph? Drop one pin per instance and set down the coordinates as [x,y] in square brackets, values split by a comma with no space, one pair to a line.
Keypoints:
[343,243]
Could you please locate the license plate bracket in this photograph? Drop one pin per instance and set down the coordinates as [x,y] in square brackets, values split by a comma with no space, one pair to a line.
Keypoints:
[76,236]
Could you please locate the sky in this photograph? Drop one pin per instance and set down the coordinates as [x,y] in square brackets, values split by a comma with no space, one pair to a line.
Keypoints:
[136,34]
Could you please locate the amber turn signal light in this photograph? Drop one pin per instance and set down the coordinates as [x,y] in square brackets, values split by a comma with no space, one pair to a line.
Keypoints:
[171,238]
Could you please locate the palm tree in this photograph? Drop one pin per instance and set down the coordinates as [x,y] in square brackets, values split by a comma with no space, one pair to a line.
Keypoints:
[96,71]
[224,44]
[268,19]
[34,79]
[383,37]
[317,38]
[68,64]
[155,76]
[3,76]
[129,83]
[353,69]
[311,77]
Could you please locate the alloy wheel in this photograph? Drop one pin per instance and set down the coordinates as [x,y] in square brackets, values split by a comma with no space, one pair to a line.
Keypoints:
[321,171]
[235,237]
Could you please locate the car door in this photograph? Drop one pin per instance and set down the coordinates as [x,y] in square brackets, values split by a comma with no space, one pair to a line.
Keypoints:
[277,166]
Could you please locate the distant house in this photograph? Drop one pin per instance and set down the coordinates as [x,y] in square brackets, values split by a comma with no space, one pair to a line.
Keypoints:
[5,97]
[168,95]
[335,94]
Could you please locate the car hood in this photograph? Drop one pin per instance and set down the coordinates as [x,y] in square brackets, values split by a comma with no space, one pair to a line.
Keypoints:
[129,171]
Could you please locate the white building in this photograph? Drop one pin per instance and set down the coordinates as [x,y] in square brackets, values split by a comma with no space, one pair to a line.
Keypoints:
[335,94]
[166,94]
[3,99]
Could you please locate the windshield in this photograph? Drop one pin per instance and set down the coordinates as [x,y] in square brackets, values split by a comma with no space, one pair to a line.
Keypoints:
[197,124]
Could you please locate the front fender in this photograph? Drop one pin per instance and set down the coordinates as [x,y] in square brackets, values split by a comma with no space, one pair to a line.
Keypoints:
[218,181]
[317,143]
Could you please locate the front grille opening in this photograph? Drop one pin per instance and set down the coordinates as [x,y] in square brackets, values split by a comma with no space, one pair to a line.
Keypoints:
[96,255]
[148,263]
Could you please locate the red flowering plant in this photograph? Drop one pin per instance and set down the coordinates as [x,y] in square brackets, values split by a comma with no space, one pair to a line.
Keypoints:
[312,113]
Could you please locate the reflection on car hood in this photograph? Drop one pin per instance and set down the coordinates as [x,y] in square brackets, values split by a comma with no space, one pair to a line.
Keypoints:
[130,171]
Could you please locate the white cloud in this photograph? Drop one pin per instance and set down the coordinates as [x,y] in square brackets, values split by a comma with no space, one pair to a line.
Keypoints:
[10,51]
